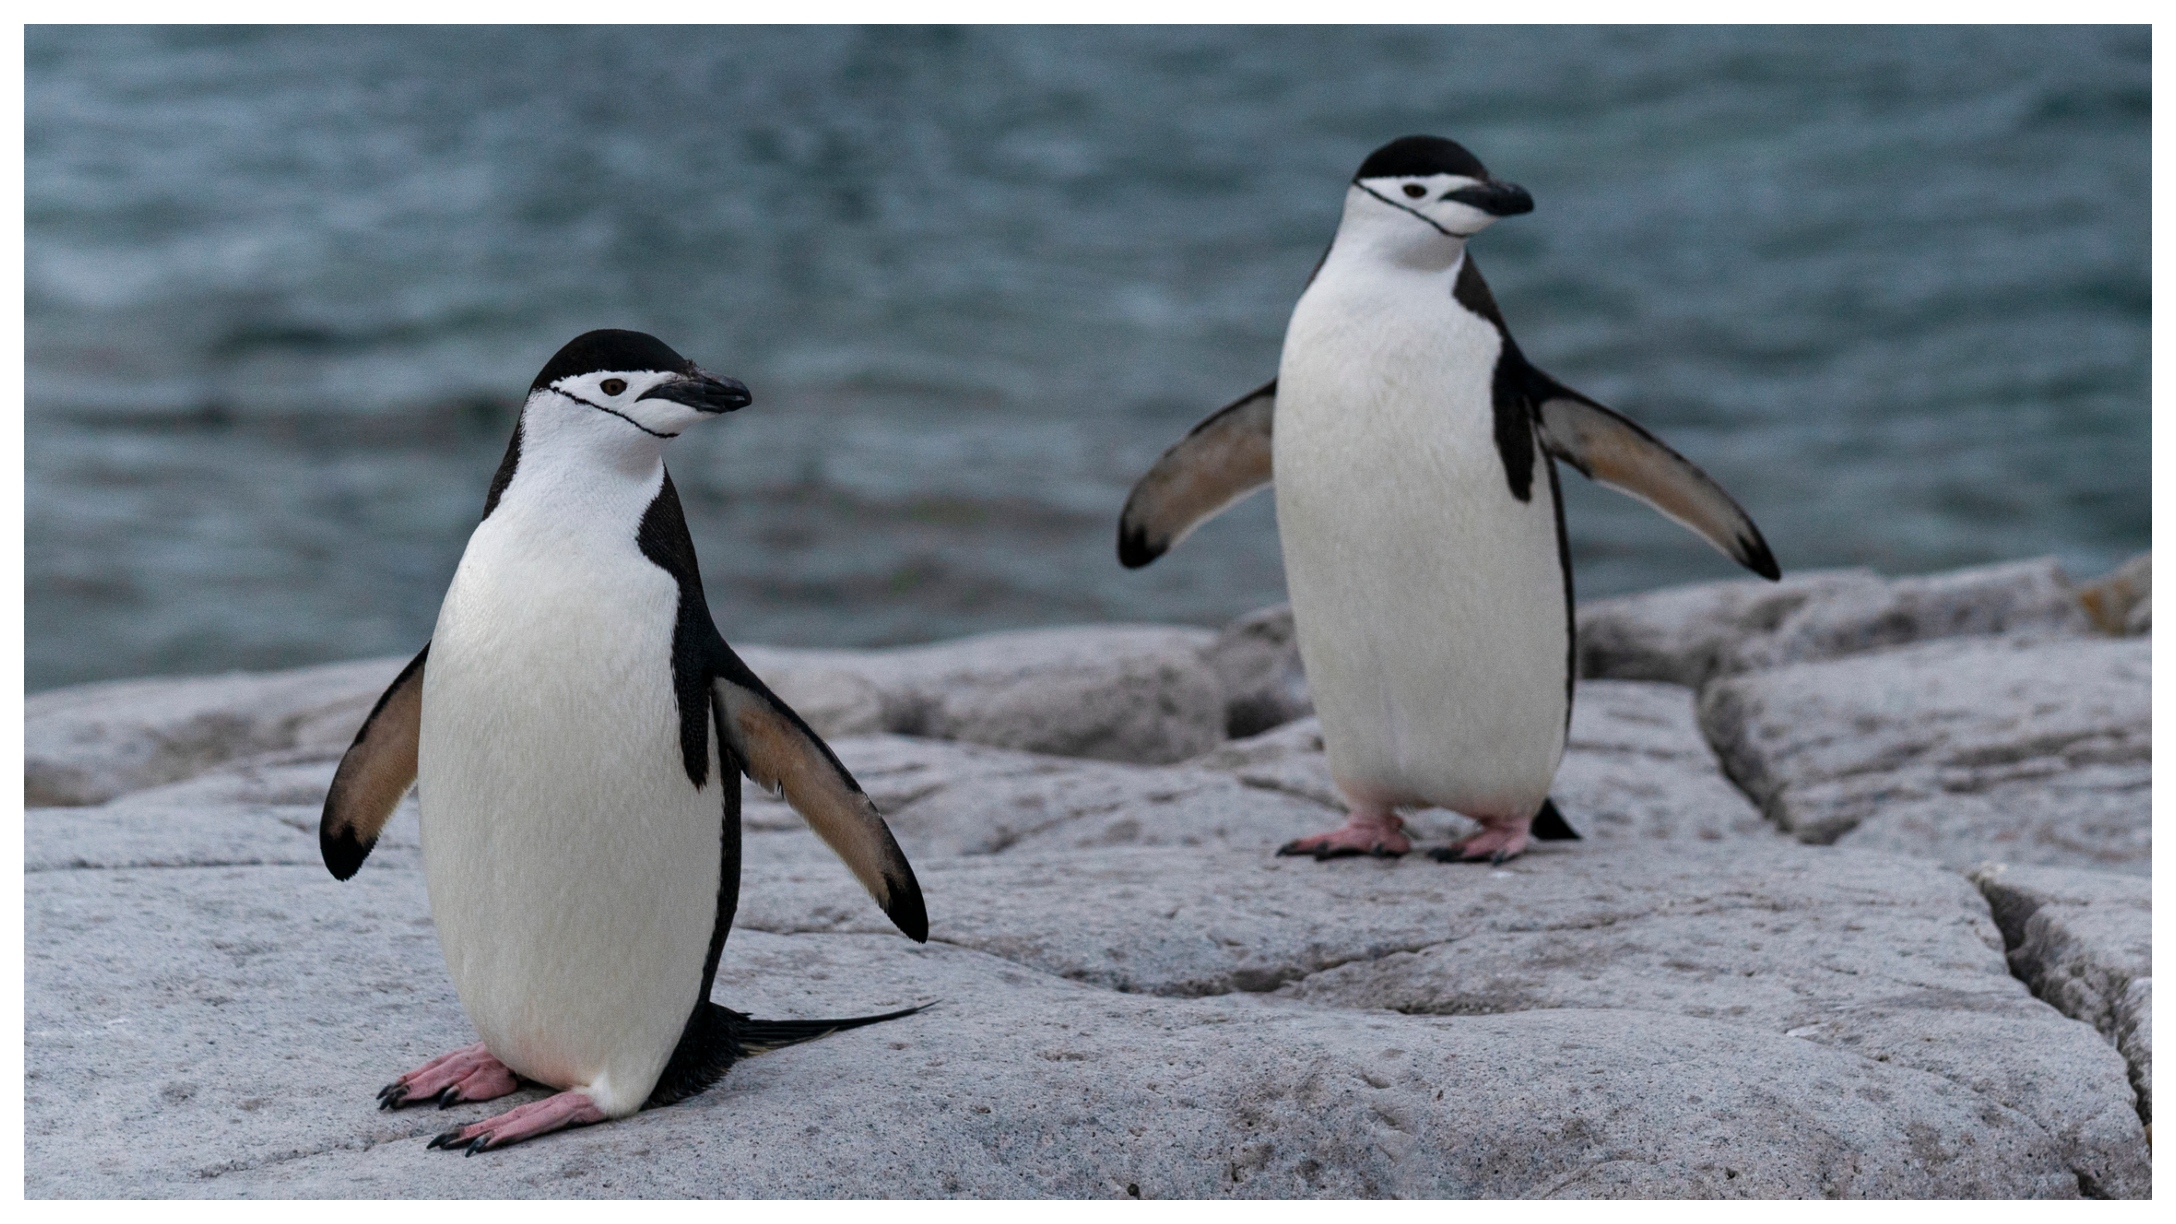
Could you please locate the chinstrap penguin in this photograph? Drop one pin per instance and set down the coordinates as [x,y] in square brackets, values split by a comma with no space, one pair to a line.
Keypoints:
[575,728]
[1414,452]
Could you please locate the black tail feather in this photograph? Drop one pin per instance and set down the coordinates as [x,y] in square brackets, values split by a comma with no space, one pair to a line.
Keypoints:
[756,1036]
[1550,825]
[717,1037]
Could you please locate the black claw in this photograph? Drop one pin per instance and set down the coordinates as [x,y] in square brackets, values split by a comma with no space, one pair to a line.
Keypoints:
[445,1140]
[1291,849]
[1498,859]
[1386,852]
[482,1141]
[450,1097]
[392,1094]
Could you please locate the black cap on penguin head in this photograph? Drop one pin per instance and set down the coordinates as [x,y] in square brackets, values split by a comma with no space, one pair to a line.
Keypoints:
[1419,157]
[612,349]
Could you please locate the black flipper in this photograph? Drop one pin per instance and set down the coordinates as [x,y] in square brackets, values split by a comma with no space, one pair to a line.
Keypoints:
[1217,463]
[1612,449]
[760,735]
[1550,825]
[377,771]
[717,1037]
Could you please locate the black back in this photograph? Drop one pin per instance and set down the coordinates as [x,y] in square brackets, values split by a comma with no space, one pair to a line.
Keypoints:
[663,538]
[1516,390]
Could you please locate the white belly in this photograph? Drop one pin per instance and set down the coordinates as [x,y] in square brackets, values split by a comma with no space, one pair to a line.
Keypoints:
[1429,602]
[573,868]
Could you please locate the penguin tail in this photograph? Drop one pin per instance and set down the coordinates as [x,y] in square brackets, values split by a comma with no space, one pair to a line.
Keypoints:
[756,1036]
[1550,825]
[717,1037]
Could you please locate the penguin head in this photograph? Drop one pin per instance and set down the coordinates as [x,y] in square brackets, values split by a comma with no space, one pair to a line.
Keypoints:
[1425,191]
[626,385]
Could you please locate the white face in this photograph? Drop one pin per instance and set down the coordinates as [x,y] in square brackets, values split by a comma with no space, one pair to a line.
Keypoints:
[1426,201]
[634,396]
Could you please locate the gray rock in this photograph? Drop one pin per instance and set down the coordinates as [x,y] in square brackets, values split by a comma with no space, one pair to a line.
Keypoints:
[2120,603]
[218,1032]
[2005,748]
[1110,692]
[1140,1000]
[947,799]
[1691,635]
[1257,659]
[2083,941]
[1106,692]
[2134,1040]
[1635,766]
[92,742]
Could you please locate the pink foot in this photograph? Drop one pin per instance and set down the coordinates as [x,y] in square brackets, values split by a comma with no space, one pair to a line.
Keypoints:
[1497,842]
[523,1122]
[1370,829]
[467,1074]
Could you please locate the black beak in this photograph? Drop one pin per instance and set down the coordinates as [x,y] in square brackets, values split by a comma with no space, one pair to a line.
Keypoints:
[1494,198]
[702,392]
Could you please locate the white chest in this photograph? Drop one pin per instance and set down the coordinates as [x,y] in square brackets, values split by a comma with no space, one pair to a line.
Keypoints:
[573,867]
[1429,600]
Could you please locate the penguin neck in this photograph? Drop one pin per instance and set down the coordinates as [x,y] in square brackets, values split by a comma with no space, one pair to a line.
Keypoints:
[579,467]
[1384,235]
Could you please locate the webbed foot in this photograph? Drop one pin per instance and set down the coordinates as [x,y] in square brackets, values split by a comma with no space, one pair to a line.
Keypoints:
[468,1074]
[1370,830]
[1494,844]
[556,1112]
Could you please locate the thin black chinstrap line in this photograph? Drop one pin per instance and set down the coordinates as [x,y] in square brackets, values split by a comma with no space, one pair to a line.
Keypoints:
[630,420]
[1425,218]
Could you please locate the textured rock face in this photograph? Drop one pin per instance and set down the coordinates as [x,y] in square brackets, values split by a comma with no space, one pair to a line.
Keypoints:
[2027,751]
[2083,941]
[1634,767]
[1137,999]
[2121,602]
[90,743]
[1106,692]
[1109,692]
[1691,635]
[1257,658]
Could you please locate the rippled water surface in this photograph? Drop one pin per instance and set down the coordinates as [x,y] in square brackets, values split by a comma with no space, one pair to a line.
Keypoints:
[285,287]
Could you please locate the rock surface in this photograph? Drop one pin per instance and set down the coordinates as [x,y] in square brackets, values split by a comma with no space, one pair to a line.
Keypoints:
[1257,658]
[1107,692]
[1693,634]
[2012,748]
[1111,692]
[92,742]
[2083,941]
[2120,603]
[1137,999]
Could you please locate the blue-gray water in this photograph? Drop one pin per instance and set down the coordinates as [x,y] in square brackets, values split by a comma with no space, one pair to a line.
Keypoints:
[284,289]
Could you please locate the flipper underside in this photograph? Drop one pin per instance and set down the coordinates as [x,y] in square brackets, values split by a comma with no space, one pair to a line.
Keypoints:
[784,756]
[1219,462]
[1617,452]
[378,769]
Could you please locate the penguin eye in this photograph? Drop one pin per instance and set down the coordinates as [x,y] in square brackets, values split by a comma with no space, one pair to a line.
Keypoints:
[612,386]
[1414,191]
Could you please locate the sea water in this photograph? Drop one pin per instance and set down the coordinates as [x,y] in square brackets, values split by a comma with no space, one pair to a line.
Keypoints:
[285,288]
